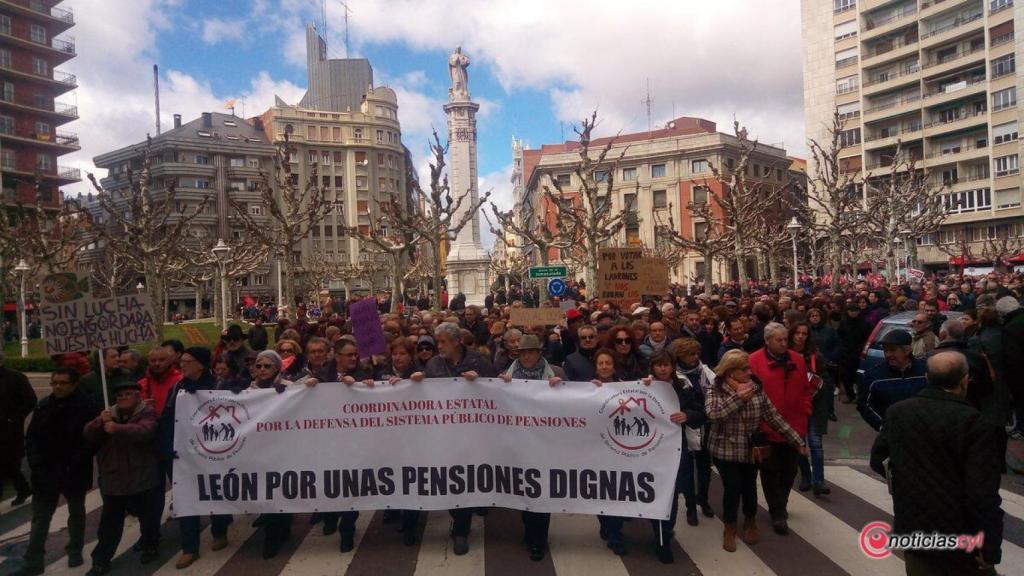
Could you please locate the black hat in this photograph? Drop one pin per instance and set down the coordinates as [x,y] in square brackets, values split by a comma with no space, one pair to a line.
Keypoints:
[124,383]
[234,332]
[201,355]
[896,338]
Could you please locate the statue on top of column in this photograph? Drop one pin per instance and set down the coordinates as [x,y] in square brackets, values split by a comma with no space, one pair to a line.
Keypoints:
[457,65]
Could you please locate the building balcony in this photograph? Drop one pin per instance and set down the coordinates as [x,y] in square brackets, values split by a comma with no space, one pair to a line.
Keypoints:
[954,92]
[957,154]
[932,7]
[60,80]
[888,51]
[959,27]
[61,174]
[884,82]
[56,110]
[894,108]
[62,18]
[883,139]
[963,184]
[996,7]
[936,67]
[59,49]
[937,127]
[65,140]
[876,27]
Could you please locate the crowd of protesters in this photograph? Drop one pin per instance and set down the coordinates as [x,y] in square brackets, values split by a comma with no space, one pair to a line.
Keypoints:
[757,372]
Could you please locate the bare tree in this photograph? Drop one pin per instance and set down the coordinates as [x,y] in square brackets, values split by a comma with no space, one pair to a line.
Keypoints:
[743,203]
[836,198]
[396,234]
[441,221]
[145,228]
[112,274]
[902,204]
[292,208]
[585,215]
[709,239]
[242,259]
[534,232]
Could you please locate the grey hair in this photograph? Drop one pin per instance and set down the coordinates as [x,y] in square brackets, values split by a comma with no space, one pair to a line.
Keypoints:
[449,329]
[511,332]
[771,328]
[953,328]
[579,331]
[134,353]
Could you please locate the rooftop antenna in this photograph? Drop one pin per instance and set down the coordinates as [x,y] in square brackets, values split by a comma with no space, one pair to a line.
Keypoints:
[647,101]
[561,129]
[156,96]
[345,12]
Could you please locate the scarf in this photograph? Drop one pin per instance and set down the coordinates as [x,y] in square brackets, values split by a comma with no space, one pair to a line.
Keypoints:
[693,376]
[539,372]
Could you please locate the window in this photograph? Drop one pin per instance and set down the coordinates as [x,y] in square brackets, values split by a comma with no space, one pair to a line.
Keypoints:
[361,159]
[313,157]
[5,58]
[259,279]
[660,199]
[1008,198]
[843,5]
[40,66]
[6,125]
[563,180]
[600,175]
[846,30]
[1004,99]
[361,183]
[997,5]
[357,133]
[699,166]
[325,181]
[8,159]
[847,111]
[1004,65]
[325,133]
[42,131]
[201,159]
[5,24]
[700,231]
[238,162]
[628,174]
[44,162]
[380,136]
[846,57]
[255,210]
[657,170]
[700,195]
[629,202]
[339,182]
[1004,133]
[252,185]
[338,158]
[1006,165]
[310,132]
[849,137]
[325,158]
[37,33]
[380,160]
[847,84]
[202,184]
[336,133]
[8,92]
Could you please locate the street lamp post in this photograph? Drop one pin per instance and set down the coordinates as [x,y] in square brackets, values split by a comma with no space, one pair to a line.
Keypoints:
[22,268]
[794,228]
[280,294]
[220,252]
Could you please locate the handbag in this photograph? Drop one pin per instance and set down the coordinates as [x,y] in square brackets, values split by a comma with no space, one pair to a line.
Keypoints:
[694,437]
[760,449]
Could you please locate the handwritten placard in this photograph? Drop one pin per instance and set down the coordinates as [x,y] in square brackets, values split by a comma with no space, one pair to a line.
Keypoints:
[366,328]
[535,316]
[87,323]
[624,275]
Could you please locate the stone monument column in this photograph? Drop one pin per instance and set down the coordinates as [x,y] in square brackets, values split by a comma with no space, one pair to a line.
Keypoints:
[468,263]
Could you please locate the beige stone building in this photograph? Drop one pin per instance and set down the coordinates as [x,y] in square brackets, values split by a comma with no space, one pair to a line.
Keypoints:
[938,75]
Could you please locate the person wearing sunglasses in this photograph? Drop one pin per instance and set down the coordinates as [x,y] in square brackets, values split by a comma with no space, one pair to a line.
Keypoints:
[629,362]
[293,361]
[579,366]
[267,373]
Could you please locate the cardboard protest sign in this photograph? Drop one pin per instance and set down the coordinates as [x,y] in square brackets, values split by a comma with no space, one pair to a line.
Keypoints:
[366,328]
[624,275]
[535,316]
[74,321]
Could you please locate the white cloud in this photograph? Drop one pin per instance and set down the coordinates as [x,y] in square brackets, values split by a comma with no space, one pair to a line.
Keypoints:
[499,184]
[216,30]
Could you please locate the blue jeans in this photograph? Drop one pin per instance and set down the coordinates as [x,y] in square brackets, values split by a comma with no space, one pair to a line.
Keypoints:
[816,465]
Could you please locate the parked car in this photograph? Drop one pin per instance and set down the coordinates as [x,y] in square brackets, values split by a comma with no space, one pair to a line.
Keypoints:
[872,353]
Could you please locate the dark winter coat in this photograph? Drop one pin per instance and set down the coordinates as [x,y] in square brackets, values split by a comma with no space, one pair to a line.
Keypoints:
[579,366]
[853,333]
[469,361]
[165,428]
[16,402]
[945,464]
[58,456]
[983,392]
[258,338]
[882,386]
[826,341]
[127,459]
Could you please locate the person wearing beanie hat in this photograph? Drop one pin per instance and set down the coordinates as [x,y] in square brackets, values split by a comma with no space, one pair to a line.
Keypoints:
[195,375]
[425,350]
[1005,305]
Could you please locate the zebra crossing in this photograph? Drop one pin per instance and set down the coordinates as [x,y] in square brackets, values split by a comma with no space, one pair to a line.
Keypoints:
[823,540]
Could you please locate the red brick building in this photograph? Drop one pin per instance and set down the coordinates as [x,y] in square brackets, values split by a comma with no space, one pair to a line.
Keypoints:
[31,112]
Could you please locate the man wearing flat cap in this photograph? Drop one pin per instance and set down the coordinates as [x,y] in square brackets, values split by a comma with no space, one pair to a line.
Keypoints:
[899,377]
[129,473]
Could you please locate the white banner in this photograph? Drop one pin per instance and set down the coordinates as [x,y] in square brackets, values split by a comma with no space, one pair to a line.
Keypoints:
[433,445]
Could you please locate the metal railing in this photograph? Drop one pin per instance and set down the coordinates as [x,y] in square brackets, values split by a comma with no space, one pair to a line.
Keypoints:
[64,14]
[958,118]
[889,46]
[65,78]
[846,89]
[872,23]
[58,107]
[846,62]
[960,53]
[993,8]
[956,150]
[899,102]
[935,93]
[894,133]
[958,22]
[68,173]
[61,45]
[67,138]
[882,78]
[1001,39]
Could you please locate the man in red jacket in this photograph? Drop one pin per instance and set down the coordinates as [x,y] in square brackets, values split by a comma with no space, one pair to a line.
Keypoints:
[161,376]
[783,374]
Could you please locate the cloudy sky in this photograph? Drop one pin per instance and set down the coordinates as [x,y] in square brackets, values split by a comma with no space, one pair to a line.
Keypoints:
[538,66]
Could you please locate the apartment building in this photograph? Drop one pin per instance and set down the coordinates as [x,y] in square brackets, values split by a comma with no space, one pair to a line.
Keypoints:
[31,117]
[663,169]
[940,77]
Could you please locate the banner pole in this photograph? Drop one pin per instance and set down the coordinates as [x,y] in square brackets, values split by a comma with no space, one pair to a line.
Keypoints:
[103,380]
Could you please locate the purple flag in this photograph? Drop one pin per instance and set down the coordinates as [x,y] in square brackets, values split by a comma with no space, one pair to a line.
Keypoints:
[366,328]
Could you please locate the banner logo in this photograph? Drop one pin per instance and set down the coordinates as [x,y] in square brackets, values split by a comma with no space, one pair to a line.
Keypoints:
[217,426]
[631,424]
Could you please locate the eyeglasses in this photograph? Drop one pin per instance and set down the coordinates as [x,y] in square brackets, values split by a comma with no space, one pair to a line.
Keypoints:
[263,366]
[424,347]
[590,337]
[287,351]
[623,341]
